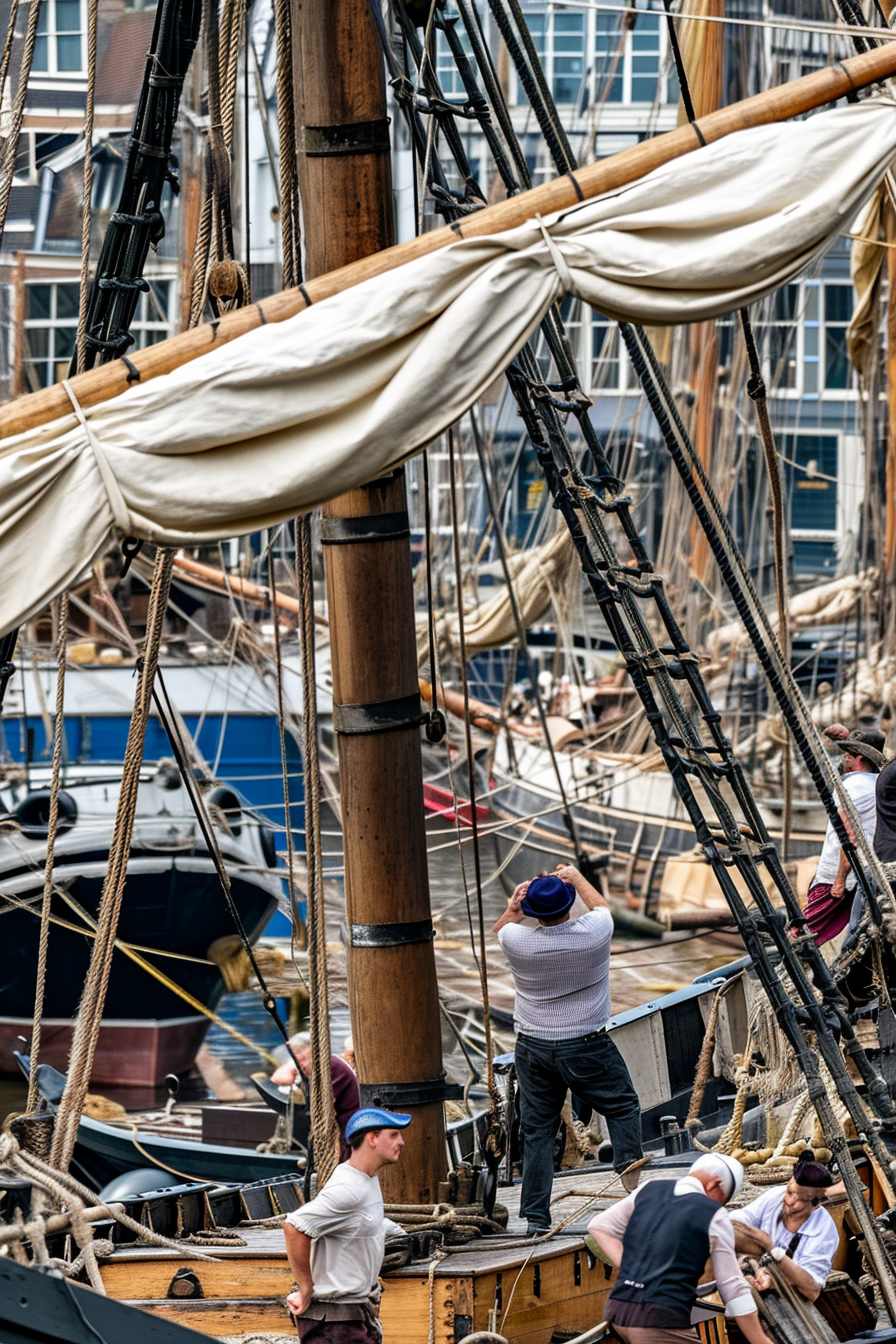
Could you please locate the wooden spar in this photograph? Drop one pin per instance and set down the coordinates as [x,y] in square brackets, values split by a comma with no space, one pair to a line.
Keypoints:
[788,100]
[393,991]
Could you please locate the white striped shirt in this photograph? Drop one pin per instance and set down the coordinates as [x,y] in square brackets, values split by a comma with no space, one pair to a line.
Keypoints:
[561,974]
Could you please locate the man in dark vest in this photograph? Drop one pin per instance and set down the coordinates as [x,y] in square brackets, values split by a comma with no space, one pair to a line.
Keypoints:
[661,1238]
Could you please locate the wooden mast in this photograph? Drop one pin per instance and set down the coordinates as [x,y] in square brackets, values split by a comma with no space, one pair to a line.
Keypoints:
[788,100]
[345,186]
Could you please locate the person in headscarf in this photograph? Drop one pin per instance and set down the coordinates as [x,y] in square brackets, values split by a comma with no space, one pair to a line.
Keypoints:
[790,1225]
[831,893]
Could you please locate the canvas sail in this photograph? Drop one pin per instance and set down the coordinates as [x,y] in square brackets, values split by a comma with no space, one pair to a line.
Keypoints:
[295,413]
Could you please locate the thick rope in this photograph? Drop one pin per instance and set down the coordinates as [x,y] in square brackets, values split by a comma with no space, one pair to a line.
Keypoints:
[7,46]
[286,147]
[87,1026]
[324,1130]
[66,1191]
[60,619]
[214,233]
[7,168]
[86,208]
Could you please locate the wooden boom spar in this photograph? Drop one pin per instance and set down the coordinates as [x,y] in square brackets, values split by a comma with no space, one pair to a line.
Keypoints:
[779,104]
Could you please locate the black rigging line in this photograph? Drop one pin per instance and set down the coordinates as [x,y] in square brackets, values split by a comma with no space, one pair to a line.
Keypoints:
[138,223]
[585,502]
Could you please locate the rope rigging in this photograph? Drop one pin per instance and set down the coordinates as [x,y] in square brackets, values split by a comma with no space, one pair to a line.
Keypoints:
[324,1130]
[588,504]
[60,622]
[138,223]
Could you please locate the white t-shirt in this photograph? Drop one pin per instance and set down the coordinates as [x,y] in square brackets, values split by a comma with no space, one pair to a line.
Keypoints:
[860,785]
[561,974]
[819,1237]
[348,1227]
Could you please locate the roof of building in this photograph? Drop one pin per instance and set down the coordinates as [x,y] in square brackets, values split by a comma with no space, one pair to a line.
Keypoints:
[120,76]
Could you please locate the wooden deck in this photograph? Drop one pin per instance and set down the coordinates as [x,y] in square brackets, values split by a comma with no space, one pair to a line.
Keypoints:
[534,1290]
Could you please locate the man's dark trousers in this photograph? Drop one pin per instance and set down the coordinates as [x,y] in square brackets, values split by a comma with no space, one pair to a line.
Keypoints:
[591,1067]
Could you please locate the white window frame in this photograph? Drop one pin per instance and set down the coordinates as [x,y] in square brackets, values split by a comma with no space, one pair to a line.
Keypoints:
[51,323]
[589,73]
[52,36]
[842,503]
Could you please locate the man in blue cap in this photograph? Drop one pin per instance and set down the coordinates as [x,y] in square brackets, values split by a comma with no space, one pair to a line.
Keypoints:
[335,1242]
[561,972]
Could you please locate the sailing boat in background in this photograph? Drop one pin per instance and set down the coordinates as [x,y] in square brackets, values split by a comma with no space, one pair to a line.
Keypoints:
[389,922]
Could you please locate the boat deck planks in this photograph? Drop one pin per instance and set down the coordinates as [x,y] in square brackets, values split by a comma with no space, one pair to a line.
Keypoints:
[539,1286]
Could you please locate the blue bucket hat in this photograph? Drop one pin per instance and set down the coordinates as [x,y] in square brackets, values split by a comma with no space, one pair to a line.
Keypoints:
[372,1117]
[548,898]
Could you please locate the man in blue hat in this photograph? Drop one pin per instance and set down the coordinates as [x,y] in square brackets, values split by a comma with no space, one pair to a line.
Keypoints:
[561,972]
[335,1242]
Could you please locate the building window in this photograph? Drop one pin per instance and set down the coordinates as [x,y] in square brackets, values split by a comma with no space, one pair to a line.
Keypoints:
[629,64]
[837,315]
[811,467]
[152,320]
[450,82]
[51,326]
[560,40]
[607,366]
[782,338]
[58,49]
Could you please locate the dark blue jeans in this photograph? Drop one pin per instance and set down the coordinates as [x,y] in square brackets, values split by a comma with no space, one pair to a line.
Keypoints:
[592,1068]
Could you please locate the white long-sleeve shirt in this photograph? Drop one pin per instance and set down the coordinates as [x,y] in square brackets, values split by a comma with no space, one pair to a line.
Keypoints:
[348,1227]
[733,1287]
[819,1238]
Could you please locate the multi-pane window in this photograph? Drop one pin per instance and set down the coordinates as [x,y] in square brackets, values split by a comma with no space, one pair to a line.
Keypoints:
[450,81]
[630,64]
[560,40]
[837,315]
[607,365]
[609,55]
[803,327]
[646,58]
[811,467]
[51,326]
[59,47]
[591,57]
[152,320]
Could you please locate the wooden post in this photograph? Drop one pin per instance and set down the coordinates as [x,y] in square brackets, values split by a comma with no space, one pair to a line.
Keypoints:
[787,100]
[345,186]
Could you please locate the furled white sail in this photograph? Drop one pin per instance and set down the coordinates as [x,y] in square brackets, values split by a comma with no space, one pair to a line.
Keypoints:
[537,574]
[294,413]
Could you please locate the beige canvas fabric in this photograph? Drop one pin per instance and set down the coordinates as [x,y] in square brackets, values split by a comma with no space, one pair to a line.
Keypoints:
[297,412]
[537,575]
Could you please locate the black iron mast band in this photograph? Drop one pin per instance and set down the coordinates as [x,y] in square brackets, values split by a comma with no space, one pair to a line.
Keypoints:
[392,935]
[383,716]
[373,527]
[360,137]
